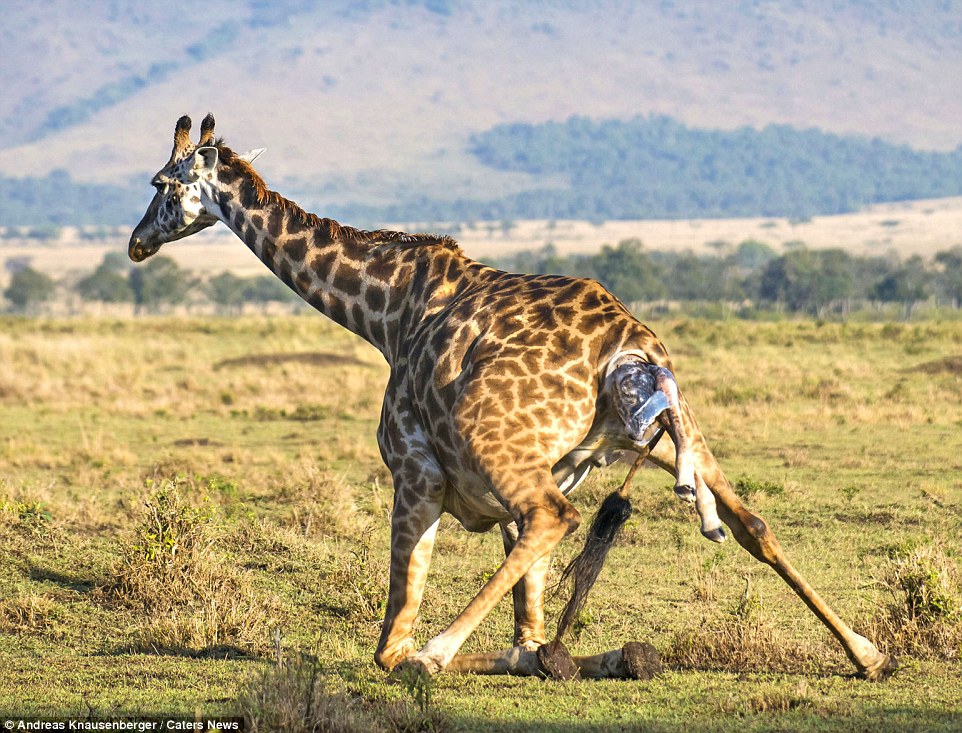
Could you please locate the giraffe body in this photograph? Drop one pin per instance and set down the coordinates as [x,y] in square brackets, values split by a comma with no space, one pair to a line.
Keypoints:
[505,390]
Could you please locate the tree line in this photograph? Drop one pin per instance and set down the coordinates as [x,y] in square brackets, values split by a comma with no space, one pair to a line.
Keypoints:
[752,276]
[657,168]
[157,285]
[749,279]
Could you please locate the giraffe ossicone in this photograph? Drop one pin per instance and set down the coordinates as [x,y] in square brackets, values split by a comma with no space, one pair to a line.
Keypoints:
[496,405]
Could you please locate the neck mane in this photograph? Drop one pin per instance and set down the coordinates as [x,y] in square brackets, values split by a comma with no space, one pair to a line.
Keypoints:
[378,284]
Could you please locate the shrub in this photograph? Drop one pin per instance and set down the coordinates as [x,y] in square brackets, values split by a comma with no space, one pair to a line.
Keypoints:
[922,613]
[193,600]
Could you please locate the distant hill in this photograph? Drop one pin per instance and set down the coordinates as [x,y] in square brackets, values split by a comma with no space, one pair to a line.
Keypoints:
[369,103]
[657,168]
[644,168]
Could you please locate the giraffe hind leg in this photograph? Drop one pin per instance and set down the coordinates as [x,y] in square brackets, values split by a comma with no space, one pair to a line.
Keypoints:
[527,595]
[752,533]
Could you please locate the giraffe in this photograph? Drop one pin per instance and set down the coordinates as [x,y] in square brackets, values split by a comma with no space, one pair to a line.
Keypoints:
[504,391]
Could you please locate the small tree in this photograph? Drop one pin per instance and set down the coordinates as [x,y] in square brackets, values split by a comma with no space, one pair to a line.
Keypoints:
[227,291]
[28,289]
[160,282]
[628,271]
[107,284]
[807,280]
[950,276]
[908,284]
[266,289]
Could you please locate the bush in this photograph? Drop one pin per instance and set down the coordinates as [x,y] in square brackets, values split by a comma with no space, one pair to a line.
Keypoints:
[922,614]
[28,289]
[193,599]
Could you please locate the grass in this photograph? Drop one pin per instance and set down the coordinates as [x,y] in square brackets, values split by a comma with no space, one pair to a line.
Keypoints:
[194,518]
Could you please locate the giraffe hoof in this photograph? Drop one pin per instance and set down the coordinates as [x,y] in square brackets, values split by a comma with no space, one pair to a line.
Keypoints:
[715,535]
[685,493]
[885,666]
[556,662]
[414,668]
[641,660]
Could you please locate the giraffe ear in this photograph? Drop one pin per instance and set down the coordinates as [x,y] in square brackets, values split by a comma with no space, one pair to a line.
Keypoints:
[205,161]
[251,155]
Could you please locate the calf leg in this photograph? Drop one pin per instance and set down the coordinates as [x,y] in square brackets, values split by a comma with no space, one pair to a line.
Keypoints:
[643,394]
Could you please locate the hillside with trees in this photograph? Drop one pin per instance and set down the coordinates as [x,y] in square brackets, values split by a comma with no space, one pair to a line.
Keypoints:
[642,168]
[657,168]
[425,105]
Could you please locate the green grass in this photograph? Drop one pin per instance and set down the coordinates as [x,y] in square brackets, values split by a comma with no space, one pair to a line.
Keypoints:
[253,440]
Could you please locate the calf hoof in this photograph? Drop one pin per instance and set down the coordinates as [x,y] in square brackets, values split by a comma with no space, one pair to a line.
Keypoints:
[715,535]
[556,662]
[685,493]
[641,660]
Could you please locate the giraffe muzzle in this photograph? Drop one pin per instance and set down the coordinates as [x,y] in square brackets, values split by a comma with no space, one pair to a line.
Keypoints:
[138,251]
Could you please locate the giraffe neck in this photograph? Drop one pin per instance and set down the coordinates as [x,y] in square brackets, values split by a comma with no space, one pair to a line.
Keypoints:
[378,285]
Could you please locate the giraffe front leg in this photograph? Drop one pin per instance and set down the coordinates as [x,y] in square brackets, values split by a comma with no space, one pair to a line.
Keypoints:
[527,595]
[545,516]
[414,525]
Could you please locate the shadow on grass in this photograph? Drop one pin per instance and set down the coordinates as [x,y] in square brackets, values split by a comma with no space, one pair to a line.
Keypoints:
[311,358]
[881,719]
[64,580]
[215,651]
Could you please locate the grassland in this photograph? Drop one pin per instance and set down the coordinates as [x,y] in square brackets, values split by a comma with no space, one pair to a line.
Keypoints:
[183,501]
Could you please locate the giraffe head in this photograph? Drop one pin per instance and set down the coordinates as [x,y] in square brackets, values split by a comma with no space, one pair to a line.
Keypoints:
[177,209]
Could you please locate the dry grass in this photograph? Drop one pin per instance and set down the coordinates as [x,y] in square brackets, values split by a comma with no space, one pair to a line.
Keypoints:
[298,695]
[320,503]
[922,611]
[268,508]
[29,613]
[189,597]
[743,639]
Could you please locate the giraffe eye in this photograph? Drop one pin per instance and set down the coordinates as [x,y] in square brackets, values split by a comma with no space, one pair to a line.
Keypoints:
[161,186]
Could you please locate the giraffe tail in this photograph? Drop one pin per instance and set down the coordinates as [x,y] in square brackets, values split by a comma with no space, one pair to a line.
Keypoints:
[586,567]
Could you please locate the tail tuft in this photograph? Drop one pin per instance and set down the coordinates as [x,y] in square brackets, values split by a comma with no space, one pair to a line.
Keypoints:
[586,567]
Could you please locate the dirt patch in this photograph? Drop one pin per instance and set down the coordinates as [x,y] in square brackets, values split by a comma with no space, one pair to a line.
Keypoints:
[187,442]
[313,358]
[946,365]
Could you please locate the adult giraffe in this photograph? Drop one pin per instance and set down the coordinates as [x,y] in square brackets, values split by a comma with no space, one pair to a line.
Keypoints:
[505,389]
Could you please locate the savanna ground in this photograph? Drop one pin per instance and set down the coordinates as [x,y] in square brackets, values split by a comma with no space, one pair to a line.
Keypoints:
[195,520]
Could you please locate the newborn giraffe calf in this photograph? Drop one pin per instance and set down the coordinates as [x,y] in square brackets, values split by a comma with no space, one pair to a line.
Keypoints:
[641,393]
[505,390]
